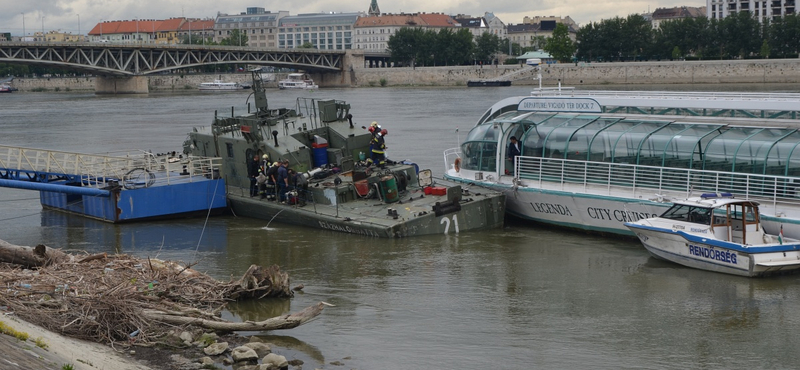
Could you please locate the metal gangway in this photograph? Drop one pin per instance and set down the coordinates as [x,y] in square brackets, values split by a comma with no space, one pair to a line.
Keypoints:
[94,174]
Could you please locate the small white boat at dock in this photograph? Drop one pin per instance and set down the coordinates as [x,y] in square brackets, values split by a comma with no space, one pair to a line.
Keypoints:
[716,232]
[218,85]
[297,81]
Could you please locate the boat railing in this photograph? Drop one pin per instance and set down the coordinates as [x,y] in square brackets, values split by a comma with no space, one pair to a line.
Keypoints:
[630,180]
[672,95]
[450,156]
[99,170]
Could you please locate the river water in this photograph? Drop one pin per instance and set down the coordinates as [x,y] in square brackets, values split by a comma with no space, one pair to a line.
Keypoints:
[514,298]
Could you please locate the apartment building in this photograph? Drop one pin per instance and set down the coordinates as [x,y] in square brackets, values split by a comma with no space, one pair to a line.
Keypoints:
[772,9]
[324,31]
[260,26]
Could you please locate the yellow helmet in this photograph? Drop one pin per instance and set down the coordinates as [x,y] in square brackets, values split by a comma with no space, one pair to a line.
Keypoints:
[374,124]
[264,156]
[275,164]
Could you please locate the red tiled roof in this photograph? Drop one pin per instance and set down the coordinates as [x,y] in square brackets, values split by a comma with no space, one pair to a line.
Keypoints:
[412,20]
[438,20]
[142,25]
[207,24]
[172,24]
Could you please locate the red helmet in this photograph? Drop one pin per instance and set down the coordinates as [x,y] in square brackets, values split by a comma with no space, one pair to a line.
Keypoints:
[384,132]
[371,129]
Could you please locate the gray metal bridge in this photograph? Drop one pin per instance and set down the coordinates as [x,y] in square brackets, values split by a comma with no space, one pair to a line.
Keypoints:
[138,60]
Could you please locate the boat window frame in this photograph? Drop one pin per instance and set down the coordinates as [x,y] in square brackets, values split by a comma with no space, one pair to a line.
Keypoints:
[691,215]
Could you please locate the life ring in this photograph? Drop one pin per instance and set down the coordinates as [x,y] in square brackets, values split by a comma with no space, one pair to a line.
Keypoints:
[457,164]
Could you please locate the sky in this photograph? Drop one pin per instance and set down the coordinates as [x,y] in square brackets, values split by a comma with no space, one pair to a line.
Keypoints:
[80,16]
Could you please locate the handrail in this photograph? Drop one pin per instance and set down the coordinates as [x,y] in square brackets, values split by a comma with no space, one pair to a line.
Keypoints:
[630,180]
[99,169]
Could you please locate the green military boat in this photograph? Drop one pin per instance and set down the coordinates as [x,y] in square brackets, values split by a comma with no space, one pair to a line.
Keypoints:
[338,190]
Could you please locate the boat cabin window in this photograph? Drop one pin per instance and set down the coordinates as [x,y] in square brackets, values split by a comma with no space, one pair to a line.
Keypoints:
[738,211]
[687,213]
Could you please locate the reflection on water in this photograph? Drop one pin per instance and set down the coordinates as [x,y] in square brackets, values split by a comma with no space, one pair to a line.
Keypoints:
[519,297]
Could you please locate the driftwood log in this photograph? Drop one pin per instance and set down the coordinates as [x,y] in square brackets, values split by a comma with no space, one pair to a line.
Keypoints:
[121,298]
[39,255]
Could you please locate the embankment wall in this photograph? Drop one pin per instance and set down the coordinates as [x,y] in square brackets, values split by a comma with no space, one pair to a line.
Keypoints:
[678,72]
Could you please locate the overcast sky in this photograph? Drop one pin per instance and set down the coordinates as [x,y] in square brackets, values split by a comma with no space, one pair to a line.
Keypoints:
[64,15]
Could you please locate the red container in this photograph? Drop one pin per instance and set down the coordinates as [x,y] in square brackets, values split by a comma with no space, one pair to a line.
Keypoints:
[438,190]
[315,145]
[428,190]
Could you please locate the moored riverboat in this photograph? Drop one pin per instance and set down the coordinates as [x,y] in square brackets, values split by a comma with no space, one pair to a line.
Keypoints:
[297,81]
[219,85]
[136,186]
[595,160]
[716,232]
[335,186]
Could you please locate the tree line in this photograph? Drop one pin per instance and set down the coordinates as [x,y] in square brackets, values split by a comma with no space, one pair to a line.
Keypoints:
[738,36]
[632,38]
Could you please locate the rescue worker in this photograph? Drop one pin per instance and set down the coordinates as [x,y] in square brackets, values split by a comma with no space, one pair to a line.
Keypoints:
[379,149]
[283,180]
[299,183]
[252,173]
[272,180]
[261,181]
[265,163]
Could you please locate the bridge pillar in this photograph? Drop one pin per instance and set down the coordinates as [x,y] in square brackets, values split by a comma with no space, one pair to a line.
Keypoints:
[121,85]
[352,59]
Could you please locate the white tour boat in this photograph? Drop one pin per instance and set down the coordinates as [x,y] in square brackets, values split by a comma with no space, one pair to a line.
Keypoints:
[593,160]
[717,233]
[297,81]
[218,85]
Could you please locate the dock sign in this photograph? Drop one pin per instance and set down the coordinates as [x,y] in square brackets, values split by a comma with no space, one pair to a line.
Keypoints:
[554,104]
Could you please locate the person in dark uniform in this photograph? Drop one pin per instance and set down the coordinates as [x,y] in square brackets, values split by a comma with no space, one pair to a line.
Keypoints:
[513,151]
[252,173]
[379,148]
[272,180]
[283,180]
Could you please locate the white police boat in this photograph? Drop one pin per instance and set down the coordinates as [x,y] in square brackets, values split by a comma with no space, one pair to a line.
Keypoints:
[716,232]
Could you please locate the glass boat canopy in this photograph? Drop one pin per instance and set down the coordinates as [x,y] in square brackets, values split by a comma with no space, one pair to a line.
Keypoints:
[637,140]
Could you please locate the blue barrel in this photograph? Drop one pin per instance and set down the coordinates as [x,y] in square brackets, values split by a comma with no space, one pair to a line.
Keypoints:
[320,156]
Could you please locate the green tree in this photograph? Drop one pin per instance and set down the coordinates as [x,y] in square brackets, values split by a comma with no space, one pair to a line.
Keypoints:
[764,49]
[676,53]
[236,38]
[560,46]
[486,46]
[403,43]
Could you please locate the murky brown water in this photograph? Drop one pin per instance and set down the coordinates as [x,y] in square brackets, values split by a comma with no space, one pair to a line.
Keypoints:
[516,298]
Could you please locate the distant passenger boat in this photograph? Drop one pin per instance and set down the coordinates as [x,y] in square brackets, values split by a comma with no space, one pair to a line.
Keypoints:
[297,81]
[219,85]
[6,89]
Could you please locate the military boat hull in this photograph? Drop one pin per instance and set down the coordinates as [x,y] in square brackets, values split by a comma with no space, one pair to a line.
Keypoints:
[336,188]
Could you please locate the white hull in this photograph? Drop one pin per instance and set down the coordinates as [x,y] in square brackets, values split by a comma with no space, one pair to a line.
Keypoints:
[220,86]
[598,209]
[674,247]
[297,87]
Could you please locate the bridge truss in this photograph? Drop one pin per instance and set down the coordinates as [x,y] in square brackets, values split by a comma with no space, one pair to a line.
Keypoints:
[132,60]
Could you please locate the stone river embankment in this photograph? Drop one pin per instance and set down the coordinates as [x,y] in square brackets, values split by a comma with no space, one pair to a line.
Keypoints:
[569,74]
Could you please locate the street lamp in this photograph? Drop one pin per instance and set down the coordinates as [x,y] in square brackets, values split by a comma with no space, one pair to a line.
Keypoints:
[79,27]
[23,25]
[137,29]
[42,28]
[101,29]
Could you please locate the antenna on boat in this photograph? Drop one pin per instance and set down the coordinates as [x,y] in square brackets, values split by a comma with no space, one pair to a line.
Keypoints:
[458,138]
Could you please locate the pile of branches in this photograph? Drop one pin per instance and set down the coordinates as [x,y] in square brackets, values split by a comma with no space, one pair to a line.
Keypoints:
[121,298]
